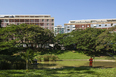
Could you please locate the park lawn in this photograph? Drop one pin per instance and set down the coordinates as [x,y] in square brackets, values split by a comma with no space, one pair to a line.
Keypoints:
[75,55]
[66,69]
[62,64]
[63,72]
[72,55]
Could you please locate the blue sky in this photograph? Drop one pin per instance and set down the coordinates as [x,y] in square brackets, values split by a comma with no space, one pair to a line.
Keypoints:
[61,10]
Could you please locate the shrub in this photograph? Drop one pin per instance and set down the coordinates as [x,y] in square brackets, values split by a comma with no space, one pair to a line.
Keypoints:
[39,58]
[46,57]
[53,58]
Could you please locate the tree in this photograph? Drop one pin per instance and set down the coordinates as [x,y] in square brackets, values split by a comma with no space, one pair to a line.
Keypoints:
[0,23]
[16,36]
[84,40]
[106,40]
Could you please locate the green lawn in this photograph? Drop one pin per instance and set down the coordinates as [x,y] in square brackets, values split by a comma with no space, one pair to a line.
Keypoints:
[64,72]
[65,69]
[71,55]
[76,55]
[60,64]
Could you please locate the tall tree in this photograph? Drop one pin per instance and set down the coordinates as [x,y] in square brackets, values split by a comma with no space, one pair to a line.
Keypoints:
[0,23]
[24,37]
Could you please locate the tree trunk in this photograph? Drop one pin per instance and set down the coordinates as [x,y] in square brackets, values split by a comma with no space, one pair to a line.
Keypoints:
[26,64]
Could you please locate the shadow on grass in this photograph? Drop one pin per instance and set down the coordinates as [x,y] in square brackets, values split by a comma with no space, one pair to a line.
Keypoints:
[66,71]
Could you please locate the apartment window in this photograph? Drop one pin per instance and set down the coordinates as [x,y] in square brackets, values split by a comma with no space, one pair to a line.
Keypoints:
[52,23]
[21,20]
[17,23]
[7,23]
[6,20]
[36,20]
[82,25]
[26,20]
[111,24]
[99,25]
[68,26]
[87,25]
[52,19]
[16,20]
[105,25]
[47,23]
[36,24]
[42,20]
[68,29]
[32,20]
[47,20]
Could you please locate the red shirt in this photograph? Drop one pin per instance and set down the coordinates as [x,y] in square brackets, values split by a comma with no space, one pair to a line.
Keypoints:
[91,60]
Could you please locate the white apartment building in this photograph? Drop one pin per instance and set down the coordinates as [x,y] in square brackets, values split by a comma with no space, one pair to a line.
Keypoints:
[58,29]
[94,23]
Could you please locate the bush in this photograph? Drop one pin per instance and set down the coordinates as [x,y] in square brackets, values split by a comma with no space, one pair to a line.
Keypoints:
[12,62]
[39,58]
[47,57]
[54,58]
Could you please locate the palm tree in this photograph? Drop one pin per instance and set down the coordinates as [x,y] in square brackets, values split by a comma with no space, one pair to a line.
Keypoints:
[28,55]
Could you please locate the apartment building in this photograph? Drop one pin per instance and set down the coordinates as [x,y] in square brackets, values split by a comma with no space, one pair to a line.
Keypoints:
[94,23]
[45,21]
[58,29]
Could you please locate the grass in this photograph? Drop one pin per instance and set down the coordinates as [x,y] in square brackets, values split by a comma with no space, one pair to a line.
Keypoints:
[61,64]
[75,55]
[72,55]
[63,72]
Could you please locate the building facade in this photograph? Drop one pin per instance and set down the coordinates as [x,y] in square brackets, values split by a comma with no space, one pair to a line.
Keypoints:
[58,30]
[45,21]
[93,23]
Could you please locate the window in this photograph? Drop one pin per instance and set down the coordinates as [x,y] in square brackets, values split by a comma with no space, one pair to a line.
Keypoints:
[27,20]
[32,20]
[47,20]
[82,25]
[16,20]
[68,29]
[36,20]
[17,23]
[105,25]
[7,23]
[111,24]
[36,24]
[6,20]
[52,23]
[68,26]
[42,20]
[47,23]
[52,19]
[87,25]
[99,25]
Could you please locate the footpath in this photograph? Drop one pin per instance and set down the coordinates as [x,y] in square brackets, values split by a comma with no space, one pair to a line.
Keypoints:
[88,60]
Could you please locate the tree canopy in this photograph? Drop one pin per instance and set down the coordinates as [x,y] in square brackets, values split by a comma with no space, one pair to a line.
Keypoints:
[21,38]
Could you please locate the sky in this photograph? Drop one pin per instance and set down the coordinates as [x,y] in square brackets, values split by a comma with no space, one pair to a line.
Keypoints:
[62,10]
